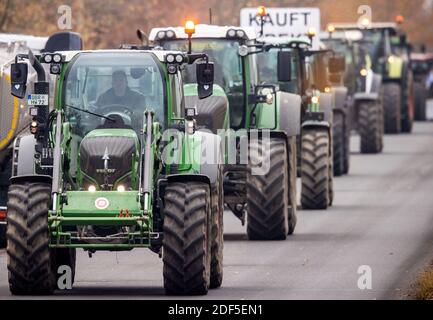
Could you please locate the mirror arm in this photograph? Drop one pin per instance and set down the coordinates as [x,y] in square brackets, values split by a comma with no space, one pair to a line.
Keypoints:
[37,66]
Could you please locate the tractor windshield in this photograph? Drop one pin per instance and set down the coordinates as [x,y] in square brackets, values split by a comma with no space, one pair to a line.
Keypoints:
[267,63]
[228,69]
[112,90]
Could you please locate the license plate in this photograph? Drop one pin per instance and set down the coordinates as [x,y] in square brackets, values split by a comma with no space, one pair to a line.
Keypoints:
[37,100]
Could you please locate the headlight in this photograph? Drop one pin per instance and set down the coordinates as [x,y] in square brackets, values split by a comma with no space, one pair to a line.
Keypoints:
[170,34]
[269,98]
[161,35]
[92,188]
[391,59]
[243,51]
[240,33]
[179,58]
[315,99]
[363,72]
[121,188]
[170,58]
[48,58]
[57,58]
[231,33]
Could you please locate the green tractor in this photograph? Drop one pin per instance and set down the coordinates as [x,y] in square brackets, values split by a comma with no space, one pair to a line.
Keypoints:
[390,53]
[305,78]
[364,86]
[117,164]
[267,198]
[422,65]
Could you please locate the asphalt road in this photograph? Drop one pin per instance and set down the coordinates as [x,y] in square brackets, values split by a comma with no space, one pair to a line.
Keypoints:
[382,217]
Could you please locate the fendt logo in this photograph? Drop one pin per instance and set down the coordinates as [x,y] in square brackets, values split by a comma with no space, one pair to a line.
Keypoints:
[102,203]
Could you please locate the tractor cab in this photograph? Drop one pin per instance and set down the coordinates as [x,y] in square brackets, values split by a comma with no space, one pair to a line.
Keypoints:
[222,45]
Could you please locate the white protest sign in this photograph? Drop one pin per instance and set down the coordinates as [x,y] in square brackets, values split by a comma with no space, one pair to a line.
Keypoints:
[284,22]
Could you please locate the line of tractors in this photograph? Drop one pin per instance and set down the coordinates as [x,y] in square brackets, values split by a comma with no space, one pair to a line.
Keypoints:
[145,146]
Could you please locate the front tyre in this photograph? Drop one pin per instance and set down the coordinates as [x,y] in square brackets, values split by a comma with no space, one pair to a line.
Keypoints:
[316,169]
[217,240]
[268,192]
[187,244]
[339,144]
[370,127]
[30,260]
[392,105]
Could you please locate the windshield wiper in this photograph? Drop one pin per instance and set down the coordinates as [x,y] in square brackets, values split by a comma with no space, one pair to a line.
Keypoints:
[92,113]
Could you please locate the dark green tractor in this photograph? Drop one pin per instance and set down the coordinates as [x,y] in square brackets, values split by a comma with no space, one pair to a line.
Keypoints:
[263,125]
[117,164]
[306,78]
[364,87]
[389,50]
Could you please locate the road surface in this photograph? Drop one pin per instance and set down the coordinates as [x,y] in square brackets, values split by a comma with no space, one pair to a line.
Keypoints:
[382,218]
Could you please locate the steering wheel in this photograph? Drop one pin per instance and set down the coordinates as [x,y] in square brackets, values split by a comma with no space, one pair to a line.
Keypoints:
[125,112]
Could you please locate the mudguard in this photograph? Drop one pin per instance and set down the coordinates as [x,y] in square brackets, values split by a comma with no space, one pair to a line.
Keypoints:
[24,168]
[326,105]
[340,96]
[376,83]
[290,113]
[364,96]
[202,158]
[212,112]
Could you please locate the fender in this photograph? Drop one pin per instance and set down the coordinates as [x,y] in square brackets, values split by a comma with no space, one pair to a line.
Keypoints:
[376,85]
[202,156]
[340,98]
[24,168]
[188,177]
[364,96]
[326,103]
[24,150]
[290,113]
[316,124]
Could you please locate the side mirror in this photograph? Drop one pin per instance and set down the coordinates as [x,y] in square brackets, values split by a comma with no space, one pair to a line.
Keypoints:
[284,66]
[205,78]
[403,39]
[337,65]
[19,72]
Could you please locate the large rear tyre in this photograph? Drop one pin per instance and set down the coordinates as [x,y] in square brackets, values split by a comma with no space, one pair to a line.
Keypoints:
[217,240]
[420,93]
[187,233]
[392,106]
[370,127]
[315,169]
[30,260]
[338,145]
[293,206]
[268,193]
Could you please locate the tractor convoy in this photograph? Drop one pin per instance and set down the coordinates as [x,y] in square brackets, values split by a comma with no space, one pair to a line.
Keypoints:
[146,145]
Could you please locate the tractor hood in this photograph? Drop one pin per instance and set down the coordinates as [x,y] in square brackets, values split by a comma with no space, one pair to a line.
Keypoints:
[109,157]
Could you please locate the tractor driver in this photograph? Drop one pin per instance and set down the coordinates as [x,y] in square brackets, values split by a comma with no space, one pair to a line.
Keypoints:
[120,93]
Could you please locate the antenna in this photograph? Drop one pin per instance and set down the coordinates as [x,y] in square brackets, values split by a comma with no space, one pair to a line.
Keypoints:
[210,15]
